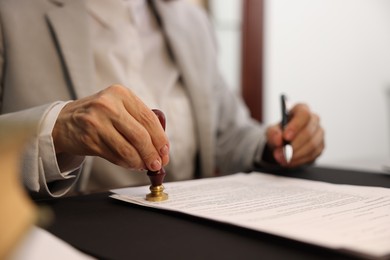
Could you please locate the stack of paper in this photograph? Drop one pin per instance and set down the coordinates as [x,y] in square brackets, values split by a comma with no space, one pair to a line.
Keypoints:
[351,218]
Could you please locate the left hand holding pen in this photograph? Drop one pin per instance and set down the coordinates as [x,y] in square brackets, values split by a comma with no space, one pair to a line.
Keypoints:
[303,131]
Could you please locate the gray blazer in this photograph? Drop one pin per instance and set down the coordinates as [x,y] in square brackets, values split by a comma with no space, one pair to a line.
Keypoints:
[45,56]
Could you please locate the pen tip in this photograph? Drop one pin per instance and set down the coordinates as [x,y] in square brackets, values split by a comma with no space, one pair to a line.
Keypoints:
[288,152]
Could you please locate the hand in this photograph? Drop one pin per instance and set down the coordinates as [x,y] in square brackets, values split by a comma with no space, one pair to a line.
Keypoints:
[304,133]
[116,125]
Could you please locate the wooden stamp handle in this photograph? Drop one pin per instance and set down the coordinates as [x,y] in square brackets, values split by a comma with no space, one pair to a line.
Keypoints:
[157,177]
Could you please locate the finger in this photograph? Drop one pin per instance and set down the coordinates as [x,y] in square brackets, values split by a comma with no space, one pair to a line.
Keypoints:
[161,117]
[120,152]
[99,137]
[274,136]
[164,151]
[157,134]
[306,133]
[141,113]
[299,116]
[310,151]
[279,156]
[136,134]
[275,143]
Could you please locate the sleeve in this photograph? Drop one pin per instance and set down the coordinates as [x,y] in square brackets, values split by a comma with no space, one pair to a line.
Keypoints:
[57,167]
[40,170]
[39,165]
[237,140]
[240,139]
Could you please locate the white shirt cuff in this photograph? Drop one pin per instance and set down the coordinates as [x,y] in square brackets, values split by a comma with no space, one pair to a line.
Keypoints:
[47,152]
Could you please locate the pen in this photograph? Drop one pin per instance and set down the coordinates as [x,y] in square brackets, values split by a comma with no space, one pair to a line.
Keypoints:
[287,148]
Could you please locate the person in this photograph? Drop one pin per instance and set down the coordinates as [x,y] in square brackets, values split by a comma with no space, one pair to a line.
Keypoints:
[91,71]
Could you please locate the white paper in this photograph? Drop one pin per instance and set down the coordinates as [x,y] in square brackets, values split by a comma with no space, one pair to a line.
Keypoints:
[39,244]
[344,217]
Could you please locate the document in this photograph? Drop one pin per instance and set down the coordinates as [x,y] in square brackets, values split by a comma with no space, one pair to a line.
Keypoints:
[39,244]
[354,219]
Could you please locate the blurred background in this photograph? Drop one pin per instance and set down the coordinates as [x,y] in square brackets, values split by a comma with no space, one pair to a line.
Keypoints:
[333,55]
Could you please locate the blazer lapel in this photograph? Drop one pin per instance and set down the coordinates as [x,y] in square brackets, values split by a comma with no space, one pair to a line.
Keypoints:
[70,28]
[195,73]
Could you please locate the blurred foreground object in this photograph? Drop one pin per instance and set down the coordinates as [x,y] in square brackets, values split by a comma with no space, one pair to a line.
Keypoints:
[18,213]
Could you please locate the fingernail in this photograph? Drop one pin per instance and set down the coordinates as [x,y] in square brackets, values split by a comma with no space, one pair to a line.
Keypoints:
[156,165]
[164,150]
